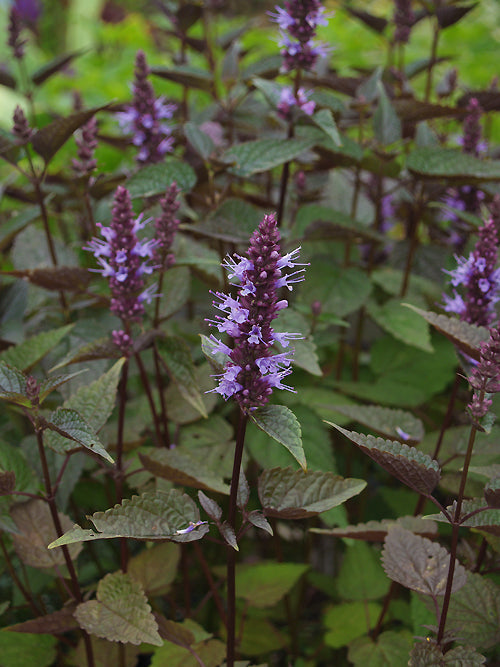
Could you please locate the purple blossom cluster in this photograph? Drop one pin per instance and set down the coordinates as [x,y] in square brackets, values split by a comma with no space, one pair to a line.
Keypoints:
[253,370]
[289,101]
[485,377]
[480,278]
[124,261]
[297,22]
[145,118]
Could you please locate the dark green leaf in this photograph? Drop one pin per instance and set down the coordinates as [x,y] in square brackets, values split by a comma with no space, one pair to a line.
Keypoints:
[377,530]
[345,622]
[325,121]
[432,162]
[55,65]
[253,157]
[72,426]
[28,353]
[388,422]
[176,357]
[281,424]
[395,318]
[199,140]
[154,179]
[386,124]
[192,77]
[361,576]
[13,385]
[31,650]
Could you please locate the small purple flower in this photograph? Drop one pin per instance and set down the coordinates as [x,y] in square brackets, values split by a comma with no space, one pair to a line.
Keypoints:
[480,280]
[21,129]
[124,260]
[289,101]
[297,23]
[85,164]
[253,370]
[145,118]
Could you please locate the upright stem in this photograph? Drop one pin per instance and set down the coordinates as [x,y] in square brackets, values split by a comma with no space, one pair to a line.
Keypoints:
[119,457]
[149,394]
[285,174]
[231,553]
[432,61]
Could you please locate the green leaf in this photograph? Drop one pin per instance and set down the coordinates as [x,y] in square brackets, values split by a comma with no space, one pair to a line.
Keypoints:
[181,411]
[233,221]
[395,318]
[49,139]
[295,494]
[30,650]
[345,622]
[120,613]
[184,468]
[264,584]
[199,140]
[281,424]
[427,654]
[176,356]
[176,289]
[325,121]
[433,162]
[102,348]
[386,124]
[409,465]
[419,564]
[317,222]
[389,650]
[304,354]
[13,385]
[151,516]
[216,359]
[361,575]
[487,521]
[467,337]
[72,426]
[474,612]
[253,157]
[377,530]
[155,568]
[50,384]
[389,422]
[12,459]
[154,179]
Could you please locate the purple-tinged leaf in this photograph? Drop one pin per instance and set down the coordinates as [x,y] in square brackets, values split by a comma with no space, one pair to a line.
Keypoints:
[229,535]
[243,495]
[419,564]
[492,493]
[102,348]
[487,520]
[162,515]
[427,654]
[72,426]
[9,149]
[412,110]
[120,613]
[394,424]
[258,520]
[56,65]
[296,494]
[409,465]
[13,385]
[183,468]
[174,632]
[474,612]
[7,482]
[213,509]
[448,16]
[55,623]
[156,568]
[28,353]
[191,77]
[375,531]
[280,423]
[49,139]
[199,140]
[68,278]
[6,79]
[466,337]
[376,23]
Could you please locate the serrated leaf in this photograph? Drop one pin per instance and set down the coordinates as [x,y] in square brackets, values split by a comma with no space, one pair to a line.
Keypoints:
[325,121]
[120,612]
[467,337]
[233,221]
[345,622]
[281,424]
[36,529]
[419,564]
[253,157]
[377,530]
[433,162]
[176,357]
[12,459]
[474,612]
[393,423]
[386,124]
[13,385]
[49,139]
[151,516]
[199,140]
[72,426]
[102,348]
[487,520]
[402,323]
[183,467]
[50,384]
[295,494]
[410,466]
[28,353]
[427,654]
[154,179]
[264,584]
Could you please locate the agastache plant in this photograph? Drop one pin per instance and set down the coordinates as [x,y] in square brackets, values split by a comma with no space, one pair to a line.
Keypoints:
[145,119]
[253,370]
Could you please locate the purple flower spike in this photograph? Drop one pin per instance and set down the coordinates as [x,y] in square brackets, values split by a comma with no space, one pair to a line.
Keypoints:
[253,370]
[14,40]
[166,227]
[485,378]
[124,260]
[297,23]
[145,118]
[87,143]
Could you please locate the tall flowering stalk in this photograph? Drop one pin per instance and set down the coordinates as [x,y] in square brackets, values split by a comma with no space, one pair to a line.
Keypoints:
[254,369]
[145,119]
[480,279]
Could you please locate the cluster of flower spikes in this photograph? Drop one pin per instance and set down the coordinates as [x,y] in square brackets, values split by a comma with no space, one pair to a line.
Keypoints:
[145,118]
[485,377]
[253,370]
[166,227]
[298,22]
[404,18]
[480,278]
[289,101]
[125,260]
